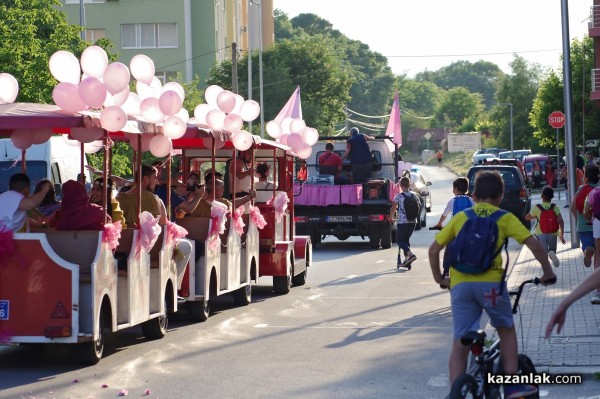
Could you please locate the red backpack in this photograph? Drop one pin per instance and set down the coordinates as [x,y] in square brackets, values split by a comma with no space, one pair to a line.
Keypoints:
[580,198]
[548,220]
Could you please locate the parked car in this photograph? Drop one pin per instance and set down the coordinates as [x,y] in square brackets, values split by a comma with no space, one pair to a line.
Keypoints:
[494,151]
[483,157]
[517,198]
[528,163]
[516,154]
[421,187]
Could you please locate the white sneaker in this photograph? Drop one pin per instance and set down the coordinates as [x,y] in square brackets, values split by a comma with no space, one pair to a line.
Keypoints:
[596,298]
[554,258]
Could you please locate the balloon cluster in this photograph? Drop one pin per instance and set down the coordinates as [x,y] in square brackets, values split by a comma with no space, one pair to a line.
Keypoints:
[226,111]
[105,86]
[9,88]
[294,133]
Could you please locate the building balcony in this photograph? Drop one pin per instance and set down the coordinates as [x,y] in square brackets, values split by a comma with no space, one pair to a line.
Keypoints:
[595,91]
[594,22]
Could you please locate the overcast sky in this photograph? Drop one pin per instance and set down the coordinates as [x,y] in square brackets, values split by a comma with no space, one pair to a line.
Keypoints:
[418,35]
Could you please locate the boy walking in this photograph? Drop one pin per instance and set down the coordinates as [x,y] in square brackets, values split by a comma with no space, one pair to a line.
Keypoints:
[405,202]
[584,229]
[471,294]
[461,200]
[550,225]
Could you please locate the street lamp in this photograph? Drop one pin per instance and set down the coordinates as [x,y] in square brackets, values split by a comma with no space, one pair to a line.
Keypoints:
[511,127]
[260,67]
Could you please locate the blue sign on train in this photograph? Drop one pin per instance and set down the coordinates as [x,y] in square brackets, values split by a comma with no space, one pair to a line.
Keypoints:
[4,307]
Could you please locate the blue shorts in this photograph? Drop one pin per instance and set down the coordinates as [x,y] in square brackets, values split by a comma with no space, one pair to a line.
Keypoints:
[586,238]
[469,300]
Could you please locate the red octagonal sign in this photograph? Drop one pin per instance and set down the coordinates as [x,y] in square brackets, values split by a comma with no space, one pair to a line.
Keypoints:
[556,119]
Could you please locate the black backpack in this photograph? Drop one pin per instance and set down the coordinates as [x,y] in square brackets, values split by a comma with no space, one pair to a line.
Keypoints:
[412,207]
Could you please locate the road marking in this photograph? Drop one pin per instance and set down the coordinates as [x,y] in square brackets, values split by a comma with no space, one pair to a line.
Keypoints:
[261,326]
[350,325]
[350,277]
[313,297]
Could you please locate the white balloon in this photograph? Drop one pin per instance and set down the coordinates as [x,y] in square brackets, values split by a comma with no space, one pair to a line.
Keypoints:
[176,87]
[170,102]
[174,128]
[66,96]
[142,68]
[131,106]
[233,123]
[297,126]
[311,136]
[94,61]
[9,88]
[250,110]
[200,113]
[64,66]
[304,151]
[184,115]
[242,140]
[215,119]
[239,100]
[150,110]
[94,146]
[152,90]
[226,101]
[274,129]
[211,93]
[120,98]
[160,146]
[285,124]
[116,78]
[113,118]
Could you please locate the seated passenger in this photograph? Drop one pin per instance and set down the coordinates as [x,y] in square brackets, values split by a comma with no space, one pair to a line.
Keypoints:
[49,204]
[243,174]
[150,201]
[330,163]
[302,174]
[17,201]
[262,170]
[204,207]
[113,209]
[76,212]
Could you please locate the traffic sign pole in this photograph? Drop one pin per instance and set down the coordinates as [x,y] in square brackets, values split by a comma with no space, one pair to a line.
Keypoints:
[557,166]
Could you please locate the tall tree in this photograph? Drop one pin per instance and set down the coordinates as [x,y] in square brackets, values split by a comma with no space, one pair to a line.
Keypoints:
[31,31]
[457,106]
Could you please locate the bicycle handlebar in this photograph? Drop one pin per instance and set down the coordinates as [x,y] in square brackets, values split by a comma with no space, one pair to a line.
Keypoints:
[519,291]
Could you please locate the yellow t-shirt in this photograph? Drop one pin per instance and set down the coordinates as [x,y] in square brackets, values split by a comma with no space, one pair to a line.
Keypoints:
[128,202]
[535,211]
[508,226]
[204,207]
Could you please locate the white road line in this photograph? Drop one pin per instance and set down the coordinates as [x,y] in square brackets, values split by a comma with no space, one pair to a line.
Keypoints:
[353,326]
[261,326]
[313,297]
[350,277]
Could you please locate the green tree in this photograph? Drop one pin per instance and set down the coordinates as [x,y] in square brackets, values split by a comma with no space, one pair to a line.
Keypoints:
[459,105]
[31,31]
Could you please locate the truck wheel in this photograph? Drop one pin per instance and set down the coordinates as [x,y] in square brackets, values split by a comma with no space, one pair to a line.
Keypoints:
[198,310]
[315,237]
[386,236]
[156,328]
[243,296]
[91,352]
[374,237]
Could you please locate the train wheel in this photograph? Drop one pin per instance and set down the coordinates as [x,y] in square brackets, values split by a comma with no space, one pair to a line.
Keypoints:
[243,296]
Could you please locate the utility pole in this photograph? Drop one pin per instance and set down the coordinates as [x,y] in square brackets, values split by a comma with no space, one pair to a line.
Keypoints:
[234,68]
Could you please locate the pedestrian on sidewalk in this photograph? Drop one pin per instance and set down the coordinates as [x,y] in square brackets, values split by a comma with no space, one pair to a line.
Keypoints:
[591,212]
[550,225]
[584,228]
[471,294]
[459,202]
[405,202]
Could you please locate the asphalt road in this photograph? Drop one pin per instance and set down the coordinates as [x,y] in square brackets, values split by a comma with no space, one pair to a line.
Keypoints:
[357,329]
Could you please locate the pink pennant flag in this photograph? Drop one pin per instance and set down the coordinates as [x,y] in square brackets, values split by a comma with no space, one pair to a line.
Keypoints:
[394,129]
[292,108]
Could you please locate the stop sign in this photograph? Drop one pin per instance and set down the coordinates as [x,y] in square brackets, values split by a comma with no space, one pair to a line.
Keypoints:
[556,119]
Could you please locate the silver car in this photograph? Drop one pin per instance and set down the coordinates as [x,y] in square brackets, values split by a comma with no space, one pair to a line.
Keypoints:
[421,187]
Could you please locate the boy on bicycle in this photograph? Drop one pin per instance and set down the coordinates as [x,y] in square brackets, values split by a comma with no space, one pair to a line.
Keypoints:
[471,294]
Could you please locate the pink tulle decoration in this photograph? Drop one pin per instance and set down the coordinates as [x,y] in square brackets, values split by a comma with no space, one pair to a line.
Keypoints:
[280,204]
[7,245]
[175,232]
[257,218]
[217,227]
[111,234]
[237,221]
[149,231]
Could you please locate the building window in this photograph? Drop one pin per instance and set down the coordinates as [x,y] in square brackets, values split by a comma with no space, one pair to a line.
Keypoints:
[92,35]
[160,35]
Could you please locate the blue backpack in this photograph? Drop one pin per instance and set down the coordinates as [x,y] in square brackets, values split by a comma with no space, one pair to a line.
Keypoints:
[461,202]
[473,250]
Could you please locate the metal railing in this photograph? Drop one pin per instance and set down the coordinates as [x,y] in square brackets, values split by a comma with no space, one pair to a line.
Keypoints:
[594,21]
[596,80]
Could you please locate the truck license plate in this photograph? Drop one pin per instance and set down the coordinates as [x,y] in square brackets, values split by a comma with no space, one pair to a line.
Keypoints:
[339,218]
[4,307]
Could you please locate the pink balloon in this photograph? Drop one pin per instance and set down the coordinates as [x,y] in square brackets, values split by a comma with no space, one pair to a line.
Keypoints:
[92,92]
[9,88]
[117,99]
[249,110]
[133,141]
[149,90]
[242,140]
[176,87]
[41,135]
[94,61]
[239,100]
[22,139]
[304,151]
[131,106]
[116,78]
[200,113]
[66,96]
[274,129]
[142,68]
[113,118]
[215,119]
[64,66]
[283,139]
[160,146]
[211,93]
[226,101]
[311,136]
[151,111]
[207,142]
[295,141]
[86,135]
[184,115]
[233,123]
[174,128]
[169,102]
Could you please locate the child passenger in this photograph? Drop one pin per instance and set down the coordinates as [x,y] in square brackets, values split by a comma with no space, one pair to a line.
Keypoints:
[471,294]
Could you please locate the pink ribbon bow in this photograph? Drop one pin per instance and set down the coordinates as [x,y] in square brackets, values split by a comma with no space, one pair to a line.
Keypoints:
[257,218]
[217,216]
[149,231]
[279,202]
[111,234]
[175,232]
[237,221]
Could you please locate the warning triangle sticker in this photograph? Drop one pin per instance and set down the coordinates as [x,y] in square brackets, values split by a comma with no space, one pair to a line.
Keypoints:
[59,312]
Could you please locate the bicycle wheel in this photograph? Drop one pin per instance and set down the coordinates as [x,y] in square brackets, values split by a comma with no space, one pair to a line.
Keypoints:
[525,367]
[465,386]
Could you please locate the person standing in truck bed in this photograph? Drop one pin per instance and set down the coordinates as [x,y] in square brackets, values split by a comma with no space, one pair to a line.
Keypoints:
[359,154]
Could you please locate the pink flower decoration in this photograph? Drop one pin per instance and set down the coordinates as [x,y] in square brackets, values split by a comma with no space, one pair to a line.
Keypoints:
[111,234]
[149,231]
[123,392]
[75,381]
[257,218]
[280,204]
[217,226]
[237,221]
[147,391]
[175,232]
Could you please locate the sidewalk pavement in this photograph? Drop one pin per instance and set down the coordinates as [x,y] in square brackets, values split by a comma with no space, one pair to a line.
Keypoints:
[577,348]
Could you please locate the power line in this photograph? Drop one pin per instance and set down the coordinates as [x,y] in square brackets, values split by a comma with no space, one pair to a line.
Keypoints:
[469,54]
